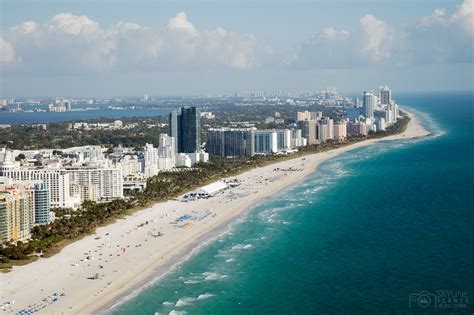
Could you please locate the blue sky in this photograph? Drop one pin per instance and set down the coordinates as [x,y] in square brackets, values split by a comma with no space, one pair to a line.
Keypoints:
[93,48]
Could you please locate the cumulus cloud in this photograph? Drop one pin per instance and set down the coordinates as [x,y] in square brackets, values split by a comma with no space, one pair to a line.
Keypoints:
[180,23]
[7,53]
[464,15]
[70,43]
[72,24]
[229,47]
[376,38]
[441,37]
[25,28]
[332,48]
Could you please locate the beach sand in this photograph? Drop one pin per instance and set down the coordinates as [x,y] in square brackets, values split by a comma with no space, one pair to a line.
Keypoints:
[125,255]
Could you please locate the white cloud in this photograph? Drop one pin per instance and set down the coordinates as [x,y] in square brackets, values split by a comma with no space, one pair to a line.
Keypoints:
[229,48]
[180,23]
[7,53]
[332,48]
[464,15]
[442,37]
[26,28]
[69,43]
[73,24]
[376,38]
[331,33]
[127,26]
[73,44]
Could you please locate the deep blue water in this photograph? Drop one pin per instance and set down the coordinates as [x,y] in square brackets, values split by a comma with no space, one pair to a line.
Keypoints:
[360,235]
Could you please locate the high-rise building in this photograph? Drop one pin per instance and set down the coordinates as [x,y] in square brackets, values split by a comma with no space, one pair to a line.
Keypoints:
[308,115]
[108,180]
[325,129]
[60,106]
[86,192]
[57,181]
[166,152]
[340,131]
[394,112]
[383,113]
[42,204]
[190,130]
[150,158]
[308,130]
[185,127]
[230,142]
[284,139]
[40,195]
[297,139]
[385,95]
[266,141]
[130,165]
[16,215]
[174,127]
[380,124]
[356,129]
[369,102]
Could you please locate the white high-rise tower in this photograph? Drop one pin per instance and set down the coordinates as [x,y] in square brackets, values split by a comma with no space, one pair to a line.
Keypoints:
[369,102]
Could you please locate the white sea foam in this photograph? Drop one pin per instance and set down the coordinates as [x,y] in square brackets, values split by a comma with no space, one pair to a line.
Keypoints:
[212,277]
[428,123]
[230,260]
[173,312]
[184,301]
[205,296]
[191,281]
[223,253]
[167,303]
[241,246]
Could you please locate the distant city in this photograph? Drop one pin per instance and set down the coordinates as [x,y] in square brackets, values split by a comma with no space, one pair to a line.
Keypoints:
[33,182]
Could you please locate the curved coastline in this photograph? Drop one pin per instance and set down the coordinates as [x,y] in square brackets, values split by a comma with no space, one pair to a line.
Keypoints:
[143,266]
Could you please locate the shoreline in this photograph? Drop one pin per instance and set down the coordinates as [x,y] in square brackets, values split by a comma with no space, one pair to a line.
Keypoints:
[140,267]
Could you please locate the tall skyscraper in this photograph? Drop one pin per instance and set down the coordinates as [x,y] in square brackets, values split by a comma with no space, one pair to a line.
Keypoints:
[190,130]
[369,103]
[185,127]
[174,127]
[385,95]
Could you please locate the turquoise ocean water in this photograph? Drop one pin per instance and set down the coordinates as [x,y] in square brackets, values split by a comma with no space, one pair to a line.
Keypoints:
[366,233]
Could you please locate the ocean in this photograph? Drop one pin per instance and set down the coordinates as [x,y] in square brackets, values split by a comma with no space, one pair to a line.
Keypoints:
[384,229]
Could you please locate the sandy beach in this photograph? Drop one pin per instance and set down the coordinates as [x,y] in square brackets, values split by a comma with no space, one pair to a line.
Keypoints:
[94,273]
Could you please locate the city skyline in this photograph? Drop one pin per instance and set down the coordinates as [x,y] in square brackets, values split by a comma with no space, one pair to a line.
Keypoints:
[163,48]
